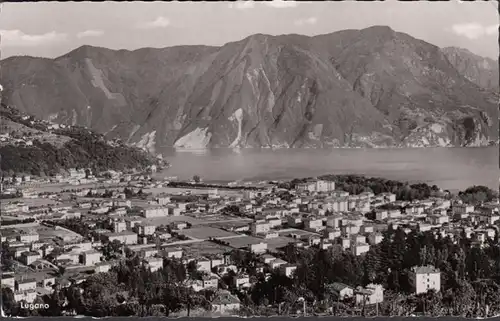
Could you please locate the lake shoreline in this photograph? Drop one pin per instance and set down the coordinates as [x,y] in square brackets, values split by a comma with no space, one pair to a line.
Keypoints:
[451,168]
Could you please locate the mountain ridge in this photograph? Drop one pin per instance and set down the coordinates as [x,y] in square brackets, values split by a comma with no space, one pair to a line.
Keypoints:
[373,87]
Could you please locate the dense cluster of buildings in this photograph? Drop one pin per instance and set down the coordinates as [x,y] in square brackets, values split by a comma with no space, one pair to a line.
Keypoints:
[196,225]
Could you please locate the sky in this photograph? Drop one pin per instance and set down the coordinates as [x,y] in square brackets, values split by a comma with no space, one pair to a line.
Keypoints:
[52,29]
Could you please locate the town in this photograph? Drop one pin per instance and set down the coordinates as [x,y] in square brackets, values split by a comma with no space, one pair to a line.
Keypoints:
[252,248]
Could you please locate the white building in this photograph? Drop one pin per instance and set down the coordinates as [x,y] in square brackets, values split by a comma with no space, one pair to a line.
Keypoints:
[119,226]
[372,294]
[425,278]
[316,186]
[155,211]
[258,248]
[154,263]
[124,237]
[29,257]
[288,269]
[259,227]
[146,229]
[313,223]
[224,302]
[360,248]
[91,257]
[375,238]
[28,237]
[173,253]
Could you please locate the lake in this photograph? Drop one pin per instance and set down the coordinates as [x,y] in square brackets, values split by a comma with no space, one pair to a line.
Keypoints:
[448,168]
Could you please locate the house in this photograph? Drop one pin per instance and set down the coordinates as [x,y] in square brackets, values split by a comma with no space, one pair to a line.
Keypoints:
[358,238]
[124,237]
[315,186]
[294,221]
[310,239]
[274,222]
[203,264]
[375,238]
[345,243]
[350,229]
[372,294]
[381,214]
[8,281]
[154,263]
[179,225]
[462,209]
[259,227]
[438,219]
[425,278]
[274,264]
[359,248]
[313,223]
[333,221]
[25,284]
[224,302]
[90,258]
[173,252]
[331,234]
[267,258]
[288,269]
[241,280]
[119,226]
[210,281]
[366,229]
[388,197]
[341,290]
[102,267]
[394,213]
[145,229]
[148,252]
[29,296]
[337,204]
[258,248]
[155,211]
[28,237]
[29,257]
[225,268]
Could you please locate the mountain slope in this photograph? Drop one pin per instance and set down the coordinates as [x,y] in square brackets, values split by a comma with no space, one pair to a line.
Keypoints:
[370,87]
[28,145]
[482,71]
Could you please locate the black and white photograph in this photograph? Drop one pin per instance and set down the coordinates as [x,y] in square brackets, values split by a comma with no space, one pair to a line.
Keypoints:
[250,159]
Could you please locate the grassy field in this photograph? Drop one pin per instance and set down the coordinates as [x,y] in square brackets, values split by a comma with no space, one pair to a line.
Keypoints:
[157,221]
[278,242]
[205,248]
[206,232]
[31,201]
[243,241]
[50,233]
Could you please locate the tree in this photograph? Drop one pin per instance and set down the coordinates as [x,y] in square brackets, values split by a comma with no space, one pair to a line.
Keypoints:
[9,304]
[196,178]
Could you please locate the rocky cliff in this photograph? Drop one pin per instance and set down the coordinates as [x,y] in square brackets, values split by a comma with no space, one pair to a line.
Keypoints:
[373,88]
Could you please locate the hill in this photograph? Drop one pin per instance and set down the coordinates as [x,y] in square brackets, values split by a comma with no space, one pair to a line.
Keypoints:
[28,145]
[371,87]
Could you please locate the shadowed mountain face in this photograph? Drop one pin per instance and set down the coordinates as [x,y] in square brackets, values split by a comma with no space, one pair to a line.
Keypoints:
[370,87]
